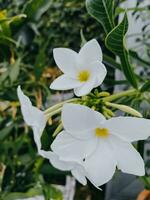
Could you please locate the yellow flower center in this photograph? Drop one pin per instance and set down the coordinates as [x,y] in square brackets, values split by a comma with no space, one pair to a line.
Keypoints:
[83,76]
[102,132]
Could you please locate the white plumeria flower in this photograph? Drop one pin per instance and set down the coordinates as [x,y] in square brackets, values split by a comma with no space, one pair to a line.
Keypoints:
[102,144]
[32,116]
[83,71]
[37,120]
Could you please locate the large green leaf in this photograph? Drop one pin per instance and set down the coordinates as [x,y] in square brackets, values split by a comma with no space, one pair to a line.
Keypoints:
[115,42]
[102,11]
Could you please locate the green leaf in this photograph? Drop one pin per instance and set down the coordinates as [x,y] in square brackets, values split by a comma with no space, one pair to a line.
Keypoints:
[36,8]
[40,62]
[111,62]
[120,10]
[146,86]
[135,55]
[5,132]
[14,70]
[7,40]
[115,42]
[102,11]
[19,195]
[51,191]
[16,19]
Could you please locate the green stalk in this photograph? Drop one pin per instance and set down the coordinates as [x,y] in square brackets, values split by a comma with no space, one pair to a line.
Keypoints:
[120,94]
[58,129]
[49,115]
[55,107]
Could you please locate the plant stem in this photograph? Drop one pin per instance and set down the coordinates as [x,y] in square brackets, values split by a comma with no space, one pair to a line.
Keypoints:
[49,115]
[57,106]
[120,94]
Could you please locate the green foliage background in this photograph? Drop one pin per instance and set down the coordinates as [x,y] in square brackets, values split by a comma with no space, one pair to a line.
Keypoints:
[29,30]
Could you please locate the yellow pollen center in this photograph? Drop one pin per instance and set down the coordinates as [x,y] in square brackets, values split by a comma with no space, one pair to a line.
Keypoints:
[83,76]
[102,132]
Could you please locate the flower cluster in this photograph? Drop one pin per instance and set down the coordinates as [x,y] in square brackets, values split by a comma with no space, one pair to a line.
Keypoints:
[90,146]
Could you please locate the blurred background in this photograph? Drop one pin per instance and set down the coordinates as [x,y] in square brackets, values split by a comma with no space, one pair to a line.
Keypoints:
[29,30]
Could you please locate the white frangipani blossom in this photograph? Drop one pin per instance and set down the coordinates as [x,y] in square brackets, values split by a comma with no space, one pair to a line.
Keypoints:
[32,116]
[101,144]
[83,71]
[37,120]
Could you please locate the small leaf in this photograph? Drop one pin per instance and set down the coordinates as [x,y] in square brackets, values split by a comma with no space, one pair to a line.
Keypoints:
[17,18]
[146,86]
[115,42]
[14,70]
[102,11]
[40,61]
[36,8]
[83,39]
[135,55]
[5,131]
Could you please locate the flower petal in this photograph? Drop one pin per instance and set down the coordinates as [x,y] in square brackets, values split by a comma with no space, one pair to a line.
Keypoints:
[66,60]
[80,119]
[32,115]
[37,137]
[79,174]
[86,88]
[90,52]
[77,170]
[129,128]
[59,164]
[101,166]
[97,75]
[128,159]
[98,72]
[45,154]
[64,82]
[69,148]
